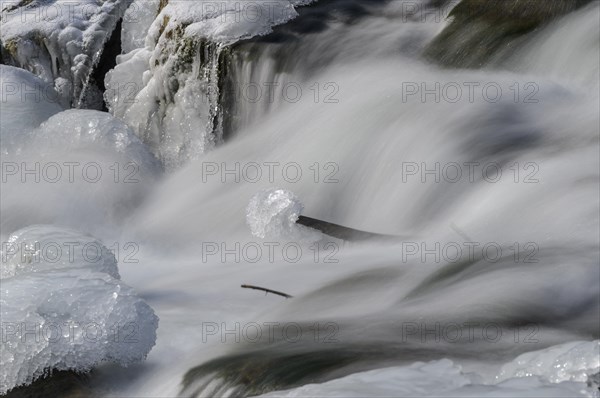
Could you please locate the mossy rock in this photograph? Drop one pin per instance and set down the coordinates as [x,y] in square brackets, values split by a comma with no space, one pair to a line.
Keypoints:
[161,5]
[10,49]
[480,29]
[257,373]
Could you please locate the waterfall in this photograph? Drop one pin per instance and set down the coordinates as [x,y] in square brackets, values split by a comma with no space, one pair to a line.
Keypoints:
[314,198]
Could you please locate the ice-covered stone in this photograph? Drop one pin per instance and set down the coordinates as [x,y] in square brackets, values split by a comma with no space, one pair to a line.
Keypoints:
[168,90]
[26,100]
[574,361]
[64,308]
[79,129]
[41,248]
[61,41]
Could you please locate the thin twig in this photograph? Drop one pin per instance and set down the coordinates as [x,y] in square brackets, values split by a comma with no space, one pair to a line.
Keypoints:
[267,290]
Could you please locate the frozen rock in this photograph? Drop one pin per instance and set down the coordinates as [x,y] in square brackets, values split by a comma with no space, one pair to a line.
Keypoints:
[41,248]
[26,100]
[79,129]
[64,310]
[61,41]
[574,361]
[168,90]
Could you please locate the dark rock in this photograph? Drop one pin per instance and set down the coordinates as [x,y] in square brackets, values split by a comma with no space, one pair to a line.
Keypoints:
[63,384]
[481,28]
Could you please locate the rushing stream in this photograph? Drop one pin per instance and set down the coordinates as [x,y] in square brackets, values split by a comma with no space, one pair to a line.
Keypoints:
[414,183]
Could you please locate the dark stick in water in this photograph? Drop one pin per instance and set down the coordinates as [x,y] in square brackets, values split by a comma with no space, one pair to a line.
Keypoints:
[267,290]
[341,232]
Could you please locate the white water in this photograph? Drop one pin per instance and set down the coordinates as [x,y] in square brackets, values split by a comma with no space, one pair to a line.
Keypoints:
[369,293]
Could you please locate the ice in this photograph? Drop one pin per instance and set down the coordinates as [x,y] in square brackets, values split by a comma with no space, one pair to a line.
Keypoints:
[78,129]
[441,378]
[167,88]
[573,361]
[27,101]
[39,249]
[169,109]
[64,307]
[273,213]
[61,41]
[227,21]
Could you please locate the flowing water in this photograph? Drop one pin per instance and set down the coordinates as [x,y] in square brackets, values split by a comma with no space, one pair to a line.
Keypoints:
[480,186]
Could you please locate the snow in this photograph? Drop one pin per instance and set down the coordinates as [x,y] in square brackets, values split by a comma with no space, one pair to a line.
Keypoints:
[64,307]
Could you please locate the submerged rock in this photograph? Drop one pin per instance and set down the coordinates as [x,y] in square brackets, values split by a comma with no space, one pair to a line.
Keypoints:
[481,30]
[593,381]
[65,384]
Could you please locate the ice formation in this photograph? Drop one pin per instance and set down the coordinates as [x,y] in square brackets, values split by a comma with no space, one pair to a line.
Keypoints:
[27,101]
[40,249]
[171,84]
[79,129]
[65,308]
[573,361]
[273,213]
[61,41]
